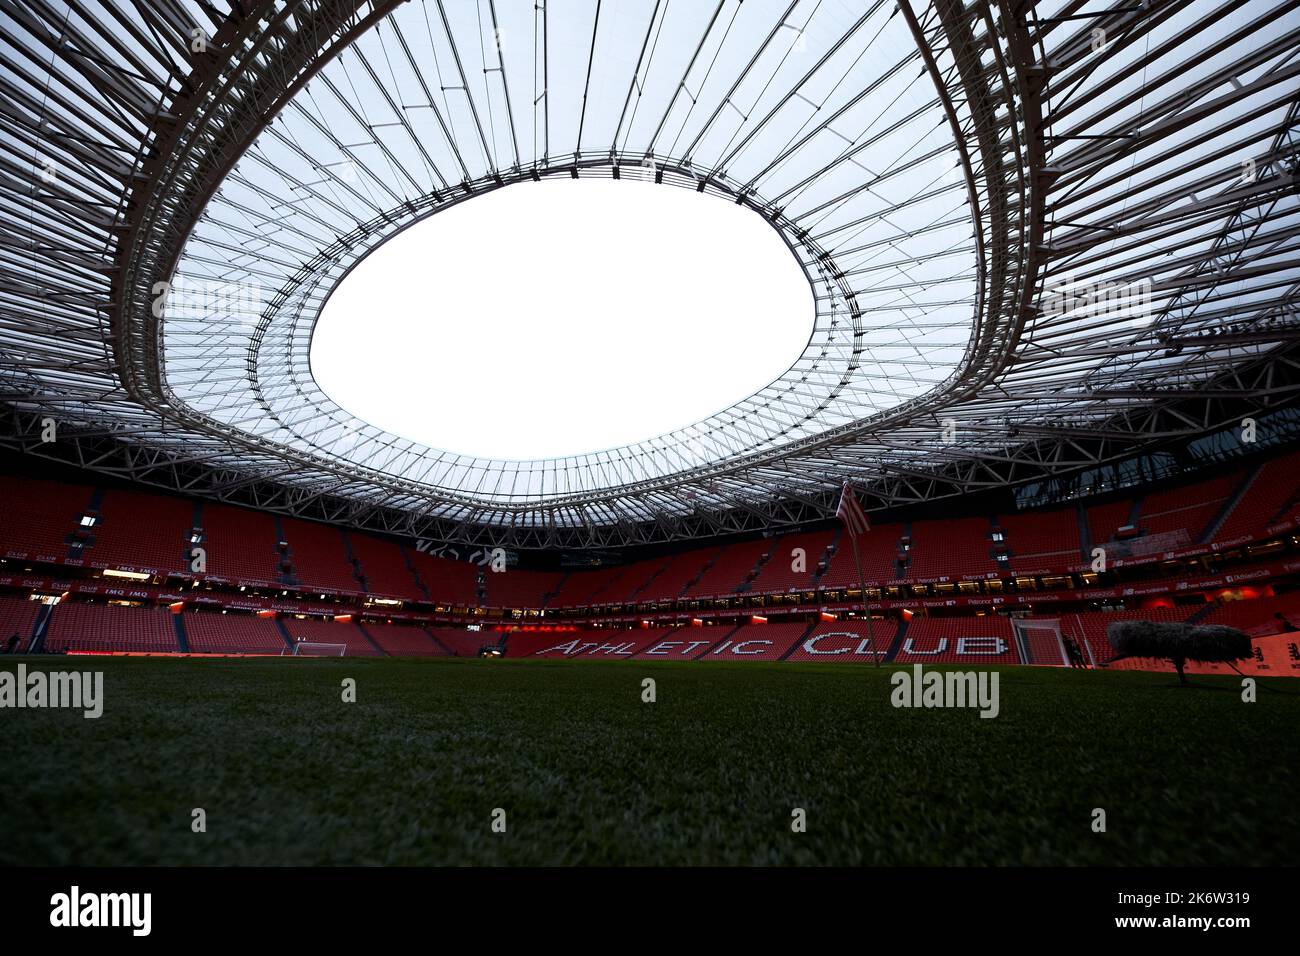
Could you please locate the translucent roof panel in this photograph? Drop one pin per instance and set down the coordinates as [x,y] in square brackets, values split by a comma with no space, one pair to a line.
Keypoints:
[821,122]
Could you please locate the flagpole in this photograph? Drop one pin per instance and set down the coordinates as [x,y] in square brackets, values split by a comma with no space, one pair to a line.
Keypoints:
[875,656]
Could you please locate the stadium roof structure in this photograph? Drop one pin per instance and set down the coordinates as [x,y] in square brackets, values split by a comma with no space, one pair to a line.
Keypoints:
[1040,236]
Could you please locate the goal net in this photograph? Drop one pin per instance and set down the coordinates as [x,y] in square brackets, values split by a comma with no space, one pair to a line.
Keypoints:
[318,649]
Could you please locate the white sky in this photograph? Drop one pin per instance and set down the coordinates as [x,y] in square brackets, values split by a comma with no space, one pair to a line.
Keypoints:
[562,317]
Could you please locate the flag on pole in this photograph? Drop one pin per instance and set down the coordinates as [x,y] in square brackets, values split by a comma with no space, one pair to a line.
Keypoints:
[851,513]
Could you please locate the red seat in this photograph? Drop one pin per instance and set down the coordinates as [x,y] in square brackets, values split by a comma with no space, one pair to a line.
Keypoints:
[139,531]
[1042,540]
[779,572]
[240,545]
[1092,627]
[213,633]
[952,548]
[318,556]
[320,631]
[17,616]
[384,566]
[403,640]
[958,640]
[449,582]
[39,517]
[878,550]
[843,642]
[109,627]
[1270,497]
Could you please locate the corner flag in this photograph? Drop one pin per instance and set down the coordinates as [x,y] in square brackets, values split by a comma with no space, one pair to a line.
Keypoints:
[851,513]
[855,523]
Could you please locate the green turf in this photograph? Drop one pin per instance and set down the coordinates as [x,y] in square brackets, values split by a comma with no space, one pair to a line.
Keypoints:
[587,773]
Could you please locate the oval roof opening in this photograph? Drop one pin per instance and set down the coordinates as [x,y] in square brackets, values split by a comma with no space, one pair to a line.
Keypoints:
[550,319]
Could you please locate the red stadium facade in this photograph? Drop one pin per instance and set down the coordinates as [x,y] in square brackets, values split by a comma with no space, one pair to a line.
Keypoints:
[93,569]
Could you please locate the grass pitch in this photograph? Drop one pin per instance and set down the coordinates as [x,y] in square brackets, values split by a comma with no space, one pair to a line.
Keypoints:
[587,773]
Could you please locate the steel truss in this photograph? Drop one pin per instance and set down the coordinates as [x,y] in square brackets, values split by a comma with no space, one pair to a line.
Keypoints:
[1158,155]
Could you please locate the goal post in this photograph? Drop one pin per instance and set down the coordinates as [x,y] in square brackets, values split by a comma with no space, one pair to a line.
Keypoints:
[318,649]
